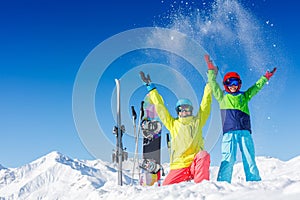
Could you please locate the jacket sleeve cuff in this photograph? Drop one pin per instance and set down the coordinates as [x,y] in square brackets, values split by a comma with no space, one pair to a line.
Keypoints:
[211,75]
[150,87]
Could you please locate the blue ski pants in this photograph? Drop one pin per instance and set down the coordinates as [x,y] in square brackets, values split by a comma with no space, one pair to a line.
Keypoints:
[229,149]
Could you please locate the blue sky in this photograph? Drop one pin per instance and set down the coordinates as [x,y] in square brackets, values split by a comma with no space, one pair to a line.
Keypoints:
[44,43]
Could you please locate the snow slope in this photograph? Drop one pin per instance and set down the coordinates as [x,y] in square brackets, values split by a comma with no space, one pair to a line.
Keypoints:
[56,176]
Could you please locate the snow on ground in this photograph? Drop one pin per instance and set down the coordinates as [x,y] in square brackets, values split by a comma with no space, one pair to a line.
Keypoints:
[56,176]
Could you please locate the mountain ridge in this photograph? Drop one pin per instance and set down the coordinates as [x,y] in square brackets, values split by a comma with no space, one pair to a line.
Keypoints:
[57,176]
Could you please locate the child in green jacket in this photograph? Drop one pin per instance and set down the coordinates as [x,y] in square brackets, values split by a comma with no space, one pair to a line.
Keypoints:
[236,121]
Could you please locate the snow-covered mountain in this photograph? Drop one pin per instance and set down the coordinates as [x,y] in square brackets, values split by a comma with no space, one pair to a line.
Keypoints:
[1,167]
[56,176]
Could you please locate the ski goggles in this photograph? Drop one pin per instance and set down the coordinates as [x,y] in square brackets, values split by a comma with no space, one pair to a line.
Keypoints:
[186,108]
[232,81]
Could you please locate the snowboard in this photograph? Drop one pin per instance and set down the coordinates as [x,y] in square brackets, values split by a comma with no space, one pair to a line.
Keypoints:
[151,127]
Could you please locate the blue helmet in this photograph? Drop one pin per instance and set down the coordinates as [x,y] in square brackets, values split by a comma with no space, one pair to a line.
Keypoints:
[181,102]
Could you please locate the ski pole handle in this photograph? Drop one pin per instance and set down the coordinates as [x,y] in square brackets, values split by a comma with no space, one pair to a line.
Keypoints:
[133,112]
[168,138]
[168,141]
[142,110]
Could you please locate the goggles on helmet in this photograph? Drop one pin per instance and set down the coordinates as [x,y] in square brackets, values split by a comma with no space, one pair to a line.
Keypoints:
[232,81]
[186,108]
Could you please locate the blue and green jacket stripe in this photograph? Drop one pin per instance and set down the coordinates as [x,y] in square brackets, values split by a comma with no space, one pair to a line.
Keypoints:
[234,106]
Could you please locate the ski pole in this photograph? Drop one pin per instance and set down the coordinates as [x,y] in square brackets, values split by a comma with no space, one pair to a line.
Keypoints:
[136,141]
[138,132]
[168,143]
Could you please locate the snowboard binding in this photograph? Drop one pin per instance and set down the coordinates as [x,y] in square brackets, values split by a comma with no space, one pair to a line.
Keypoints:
[150,166]
[151,129]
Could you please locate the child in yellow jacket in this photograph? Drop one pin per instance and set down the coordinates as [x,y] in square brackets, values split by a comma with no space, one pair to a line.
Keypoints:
[188,159]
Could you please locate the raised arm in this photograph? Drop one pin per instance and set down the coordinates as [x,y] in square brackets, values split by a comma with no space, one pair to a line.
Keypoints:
[158,102]
[205,106]
[211,75]
[253,90]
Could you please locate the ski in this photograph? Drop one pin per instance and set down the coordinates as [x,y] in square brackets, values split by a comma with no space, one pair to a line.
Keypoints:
[119,145]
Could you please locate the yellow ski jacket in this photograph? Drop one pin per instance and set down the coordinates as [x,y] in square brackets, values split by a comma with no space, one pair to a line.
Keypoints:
[186,133]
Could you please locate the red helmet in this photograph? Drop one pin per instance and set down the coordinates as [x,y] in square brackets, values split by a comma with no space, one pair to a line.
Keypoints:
[232,78]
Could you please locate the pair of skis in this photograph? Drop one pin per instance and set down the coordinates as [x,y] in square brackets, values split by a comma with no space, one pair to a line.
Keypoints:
[119,133]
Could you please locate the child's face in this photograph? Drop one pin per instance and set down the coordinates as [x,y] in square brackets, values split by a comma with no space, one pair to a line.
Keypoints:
[184,110]
[184,113]
[233,88]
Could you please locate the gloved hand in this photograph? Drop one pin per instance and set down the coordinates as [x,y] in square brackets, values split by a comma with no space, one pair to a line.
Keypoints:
[147,81]
[210,65]
[268,74]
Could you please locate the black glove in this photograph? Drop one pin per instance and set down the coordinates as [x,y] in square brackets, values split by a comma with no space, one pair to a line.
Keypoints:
[147,81]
